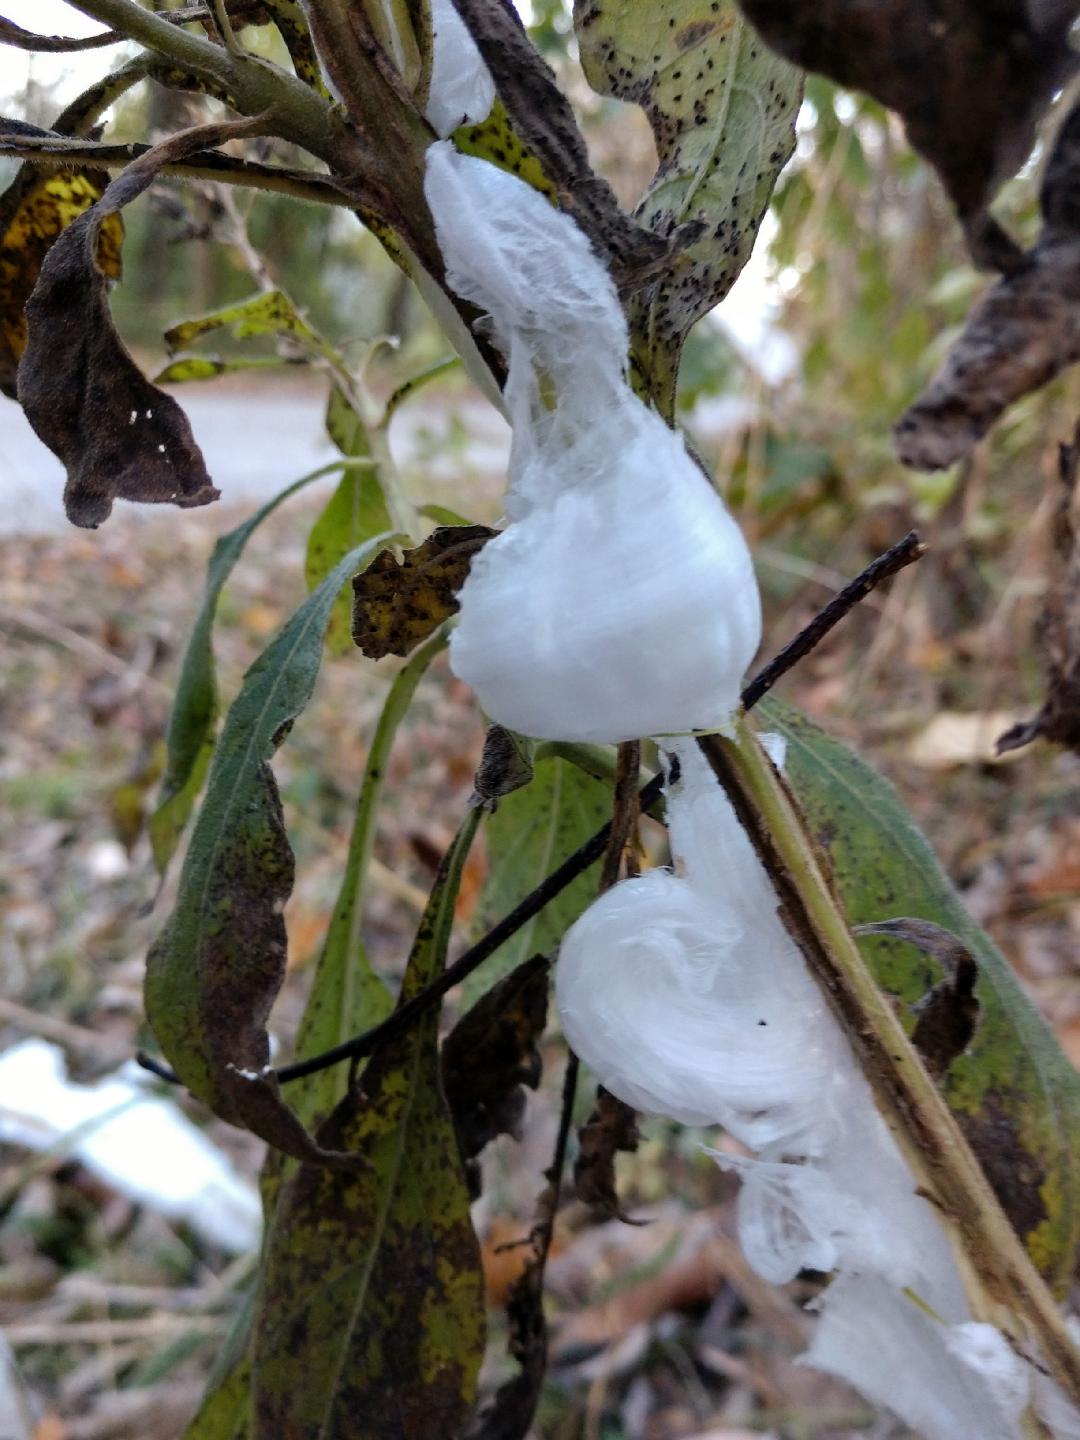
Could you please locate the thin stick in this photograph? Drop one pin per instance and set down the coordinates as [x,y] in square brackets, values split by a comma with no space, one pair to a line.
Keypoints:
[359,1046]
[904,553]
[62,153]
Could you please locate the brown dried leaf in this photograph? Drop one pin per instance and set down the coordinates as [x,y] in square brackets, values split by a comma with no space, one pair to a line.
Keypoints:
[1058,630]
[947,1014]
[117,434]
[398,604]
[510,1412]
[36,207]
[970,80]
[610,1129]
[1023,332]
[490,1054]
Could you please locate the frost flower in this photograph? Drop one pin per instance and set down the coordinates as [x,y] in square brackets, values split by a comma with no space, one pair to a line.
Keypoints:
[462,91]
[685,994]
[621,600]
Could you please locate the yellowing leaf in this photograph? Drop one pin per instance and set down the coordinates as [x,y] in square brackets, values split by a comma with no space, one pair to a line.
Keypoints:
[398,604]
[35,209]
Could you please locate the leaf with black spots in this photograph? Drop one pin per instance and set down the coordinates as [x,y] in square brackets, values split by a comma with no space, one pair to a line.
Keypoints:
[118,435]
[970,80]
[610,1129]
[215,970]
[189,736]
[1022,333]
[371,1320]
[722,109]
[947,1014]
[1014,1094]
[398,604]
[34,210]
[490,1054]
[270,312]
[547,129]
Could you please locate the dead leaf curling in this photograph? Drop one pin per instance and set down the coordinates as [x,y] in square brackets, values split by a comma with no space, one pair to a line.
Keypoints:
[34,210]
[611,1128]
[970,80]
[117,434]
[398,604]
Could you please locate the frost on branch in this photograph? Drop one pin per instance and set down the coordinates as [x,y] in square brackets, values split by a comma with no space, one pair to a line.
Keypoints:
[685,994]
[621,599]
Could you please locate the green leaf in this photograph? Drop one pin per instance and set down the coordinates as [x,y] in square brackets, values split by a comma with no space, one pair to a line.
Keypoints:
[209,367]
[225,1413]
[346,995]
[356,511]
[1014,1093]
[213,973]
[190,735]
[529,834]
[495,139]
[722,107]
[271,312]
[371,1321]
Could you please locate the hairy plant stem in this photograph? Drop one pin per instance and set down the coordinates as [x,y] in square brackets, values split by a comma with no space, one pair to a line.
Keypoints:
[1002,1284]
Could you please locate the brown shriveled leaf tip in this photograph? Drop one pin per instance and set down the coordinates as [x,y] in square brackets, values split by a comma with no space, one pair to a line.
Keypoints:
[398,604]
[491,1053]
[118,436]
[34,210]
[509,1414]
[1058,630]
[970,80]
[1022,333]
[947,1014]
[505,766]
[611,1128]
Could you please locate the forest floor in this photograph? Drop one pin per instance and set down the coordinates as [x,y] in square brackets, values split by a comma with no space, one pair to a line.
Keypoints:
[660,1332]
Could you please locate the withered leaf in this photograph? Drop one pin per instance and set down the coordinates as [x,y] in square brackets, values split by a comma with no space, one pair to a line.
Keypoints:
[970,80]
[36,207]
[506,764]
[490,1054]
[1023,331]
[510,1413]
[948,1013]
[1058,630]
[117,434]
[398,604]
[611,1128]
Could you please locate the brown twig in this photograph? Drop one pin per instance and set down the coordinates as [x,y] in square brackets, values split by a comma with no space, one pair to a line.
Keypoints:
[359,1046]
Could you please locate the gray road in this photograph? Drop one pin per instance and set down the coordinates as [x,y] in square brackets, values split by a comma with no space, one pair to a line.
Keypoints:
[255,442]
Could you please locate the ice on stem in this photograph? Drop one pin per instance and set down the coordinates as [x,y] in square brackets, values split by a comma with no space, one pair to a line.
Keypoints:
[461,90]
[687,997]
[621,600]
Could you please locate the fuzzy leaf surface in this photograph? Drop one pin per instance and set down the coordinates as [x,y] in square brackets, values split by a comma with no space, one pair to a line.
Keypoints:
[1014,1094]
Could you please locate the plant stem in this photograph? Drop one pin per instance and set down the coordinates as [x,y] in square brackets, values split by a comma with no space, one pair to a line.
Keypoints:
[554,884]
[1003,1285]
